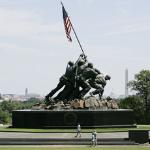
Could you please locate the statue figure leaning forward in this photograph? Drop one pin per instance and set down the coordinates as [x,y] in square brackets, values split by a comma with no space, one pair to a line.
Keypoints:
[79,78]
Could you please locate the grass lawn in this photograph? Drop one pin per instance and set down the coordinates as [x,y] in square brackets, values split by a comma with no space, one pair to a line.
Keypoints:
[102,130]
[79,148]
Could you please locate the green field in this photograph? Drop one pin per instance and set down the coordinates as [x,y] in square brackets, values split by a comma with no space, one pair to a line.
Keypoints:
[102,130]
[79,148]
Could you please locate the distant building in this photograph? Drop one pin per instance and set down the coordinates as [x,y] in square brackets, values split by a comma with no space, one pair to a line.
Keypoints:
[17,97]
[126,83]
[26,92]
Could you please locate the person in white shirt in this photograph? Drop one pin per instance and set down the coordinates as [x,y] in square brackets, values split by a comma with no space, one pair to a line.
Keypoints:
[93,139]
[78,130]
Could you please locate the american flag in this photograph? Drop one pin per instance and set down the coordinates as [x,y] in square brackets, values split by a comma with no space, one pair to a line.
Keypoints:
[67,23]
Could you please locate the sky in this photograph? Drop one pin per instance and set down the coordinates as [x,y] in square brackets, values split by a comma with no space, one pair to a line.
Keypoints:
[34,50]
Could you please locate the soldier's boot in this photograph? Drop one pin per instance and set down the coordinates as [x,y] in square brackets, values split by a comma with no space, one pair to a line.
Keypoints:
[46,100]
[100,94]
[49,101]
[48,96]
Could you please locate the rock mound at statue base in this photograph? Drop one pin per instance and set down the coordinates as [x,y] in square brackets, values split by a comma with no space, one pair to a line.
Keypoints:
[90,102]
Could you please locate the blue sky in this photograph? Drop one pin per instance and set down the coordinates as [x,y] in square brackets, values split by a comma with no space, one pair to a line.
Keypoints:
[34,48]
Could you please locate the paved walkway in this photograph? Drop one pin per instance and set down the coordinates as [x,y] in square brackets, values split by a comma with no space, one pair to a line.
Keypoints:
[61,135]
[65,135]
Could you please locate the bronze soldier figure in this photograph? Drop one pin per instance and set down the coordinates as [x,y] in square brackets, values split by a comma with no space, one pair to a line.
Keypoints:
[99,83]
[64,80]
[88,73]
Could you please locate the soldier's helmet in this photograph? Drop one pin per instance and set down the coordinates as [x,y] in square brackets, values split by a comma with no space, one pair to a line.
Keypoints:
[107,77]
[71,63]
[90,65]
[82,55]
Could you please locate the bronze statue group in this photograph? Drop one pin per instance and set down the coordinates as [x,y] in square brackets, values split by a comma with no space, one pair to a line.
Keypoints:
[79,78]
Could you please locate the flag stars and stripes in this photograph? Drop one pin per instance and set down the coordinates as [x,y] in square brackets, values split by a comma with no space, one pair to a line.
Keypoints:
[67,24]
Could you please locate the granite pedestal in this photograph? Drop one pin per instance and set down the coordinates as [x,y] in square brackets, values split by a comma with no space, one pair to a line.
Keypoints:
[70,118]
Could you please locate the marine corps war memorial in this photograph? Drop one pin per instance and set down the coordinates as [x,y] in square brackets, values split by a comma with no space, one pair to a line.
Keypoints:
[77,98]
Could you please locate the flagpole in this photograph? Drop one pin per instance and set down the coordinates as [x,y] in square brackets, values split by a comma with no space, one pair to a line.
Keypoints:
[76,35]
[78,40]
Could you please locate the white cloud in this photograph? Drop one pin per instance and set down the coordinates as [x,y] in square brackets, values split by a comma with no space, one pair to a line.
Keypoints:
[128,26]
[20,23]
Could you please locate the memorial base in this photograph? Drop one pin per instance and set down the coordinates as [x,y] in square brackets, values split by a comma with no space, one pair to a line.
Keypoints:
[70,118]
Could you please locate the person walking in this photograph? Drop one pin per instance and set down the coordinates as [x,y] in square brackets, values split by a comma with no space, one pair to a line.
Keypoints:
[78,130]
[94,138]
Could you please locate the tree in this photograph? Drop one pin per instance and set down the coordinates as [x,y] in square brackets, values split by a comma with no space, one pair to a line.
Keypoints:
[6,108]
[134,102]
[141,84]
[4,117]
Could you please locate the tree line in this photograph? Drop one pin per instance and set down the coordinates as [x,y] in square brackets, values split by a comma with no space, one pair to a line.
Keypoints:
[6,108]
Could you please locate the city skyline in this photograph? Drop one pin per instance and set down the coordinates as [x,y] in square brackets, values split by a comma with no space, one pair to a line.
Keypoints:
[35,51]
